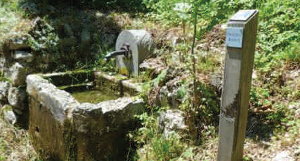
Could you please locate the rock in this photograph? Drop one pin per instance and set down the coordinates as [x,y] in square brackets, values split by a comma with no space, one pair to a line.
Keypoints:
[286,141]
[8,114]
[4,87]
[173,99]
[293,106]
[176,58]
[216,81]
[17,74]
[154,66]
[18,43]
[2,62]
[23,56]
[176,40]
[297,152]
[109,39]
[283,156]
[297,114]
[265,144]
[31,7]
[172,120]
[10,117]
[163,96]
[16,98]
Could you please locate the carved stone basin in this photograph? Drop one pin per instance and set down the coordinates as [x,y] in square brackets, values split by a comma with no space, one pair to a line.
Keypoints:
[63,128]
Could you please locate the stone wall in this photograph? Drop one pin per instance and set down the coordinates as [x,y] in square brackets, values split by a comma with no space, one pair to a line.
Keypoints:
[15,58]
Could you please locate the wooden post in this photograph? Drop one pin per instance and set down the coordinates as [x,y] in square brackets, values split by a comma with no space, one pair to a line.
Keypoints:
[240,41]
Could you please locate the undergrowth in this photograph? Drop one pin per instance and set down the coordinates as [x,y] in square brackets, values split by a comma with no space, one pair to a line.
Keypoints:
[277,55]
[14,142]
[11,22]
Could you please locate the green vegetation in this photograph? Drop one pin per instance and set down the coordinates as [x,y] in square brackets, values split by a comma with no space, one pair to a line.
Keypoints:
[277,54]
[11,21]
[155,145]
[275,86]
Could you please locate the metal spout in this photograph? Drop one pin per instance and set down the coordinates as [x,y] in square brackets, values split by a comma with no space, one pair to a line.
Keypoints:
[124,50]
[114,54]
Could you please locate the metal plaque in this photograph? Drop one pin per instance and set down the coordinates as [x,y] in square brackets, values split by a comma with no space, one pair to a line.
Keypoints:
[234,37]
[243,15]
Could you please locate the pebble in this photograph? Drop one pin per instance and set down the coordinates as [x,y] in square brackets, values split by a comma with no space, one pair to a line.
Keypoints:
[283,156]
[10,117]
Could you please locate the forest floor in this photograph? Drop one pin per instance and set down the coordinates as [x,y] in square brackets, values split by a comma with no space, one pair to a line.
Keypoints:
[15,144]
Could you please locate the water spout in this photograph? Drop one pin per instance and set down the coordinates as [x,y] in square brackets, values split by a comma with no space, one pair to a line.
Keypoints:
[114,54]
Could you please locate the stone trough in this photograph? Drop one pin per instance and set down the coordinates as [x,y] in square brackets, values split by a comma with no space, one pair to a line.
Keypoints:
[62,128]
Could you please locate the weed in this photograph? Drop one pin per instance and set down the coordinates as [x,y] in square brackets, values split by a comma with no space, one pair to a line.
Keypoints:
[292,52]
[154,143]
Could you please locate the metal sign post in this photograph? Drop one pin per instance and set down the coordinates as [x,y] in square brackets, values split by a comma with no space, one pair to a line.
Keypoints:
[240,41]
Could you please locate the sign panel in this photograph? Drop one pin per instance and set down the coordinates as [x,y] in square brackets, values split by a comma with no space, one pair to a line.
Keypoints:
[234,37]
[243,15]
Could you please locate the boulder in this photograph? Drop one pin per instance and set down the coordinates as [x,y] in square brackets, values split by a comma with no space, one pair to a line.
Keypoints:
[17,74]
[17,98]
[18,43]
[23,56]
[172,120]
[8,114]
[2,62]
[4,87]
[10,117]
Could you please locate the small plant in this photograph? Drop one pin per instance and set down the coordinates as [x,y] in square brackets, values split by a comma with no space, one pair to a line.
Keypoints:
[292,52]
[157,146]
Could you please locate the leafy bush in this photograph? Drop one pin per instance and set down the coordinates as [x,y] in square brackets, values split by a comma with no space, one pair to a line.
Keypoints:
[133,5]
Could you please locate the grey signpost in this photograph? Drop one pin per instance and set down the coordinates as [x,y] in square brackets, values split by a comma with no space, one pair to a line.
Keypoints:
[240,41]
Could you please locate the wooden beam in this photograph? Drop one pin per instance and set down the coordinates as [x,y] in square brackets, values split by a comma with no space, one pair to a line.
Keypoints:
[240,40]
